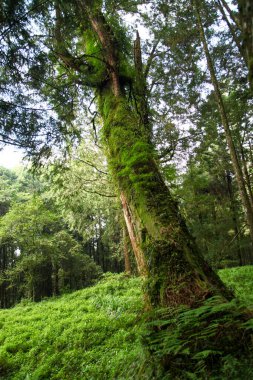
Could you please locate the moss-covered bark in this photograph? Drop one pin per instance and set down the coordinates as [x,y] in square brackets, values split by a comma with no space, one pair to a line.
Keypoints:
[165,252]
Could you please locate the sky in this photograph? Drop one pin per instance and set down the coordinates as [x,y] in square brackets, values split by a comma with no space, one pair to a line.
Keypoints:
[11,157]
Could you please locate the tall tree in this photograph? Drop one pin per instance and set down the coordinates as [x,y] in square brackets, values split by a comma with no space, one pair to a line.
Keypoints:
[246,23]
[87,53]
[93,54]
[225,123]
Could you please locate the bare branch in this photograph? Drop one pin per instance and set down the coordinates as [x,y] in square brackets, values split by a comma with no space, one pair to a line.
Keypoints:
[151,58]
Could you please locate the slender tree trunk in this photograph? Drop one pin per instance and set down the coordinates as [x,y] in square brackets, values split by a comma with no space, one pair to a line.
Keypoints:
[225,123]
[246,22]
[55,279]
[232,31]
[246,173]
[232,14]
[251,153]
[234,217]
[140,86]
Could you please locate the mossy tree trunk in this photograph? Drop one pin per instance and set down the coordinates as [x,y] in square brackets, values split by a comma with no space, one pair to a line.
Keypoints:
[166,254]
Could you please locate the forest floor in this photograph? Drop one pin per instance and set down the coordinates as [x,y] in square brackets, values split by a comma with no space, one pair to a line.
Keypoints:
[94,334]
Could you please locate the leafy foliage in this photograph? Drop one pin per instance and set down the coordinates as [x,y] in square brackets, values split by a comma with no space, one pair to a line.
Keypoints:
[201,342]
[82,188]
[39,257]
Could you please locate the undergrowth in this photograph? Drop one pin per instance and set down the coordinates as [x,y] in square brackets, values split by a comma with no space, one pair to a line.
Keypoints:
[240,281]
[89,334]
[213,341]
[102,333]
[210,342]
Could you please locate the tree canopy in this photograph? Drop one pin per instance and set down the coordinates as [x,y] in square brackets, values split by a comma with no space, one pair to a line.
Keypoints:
[162,123]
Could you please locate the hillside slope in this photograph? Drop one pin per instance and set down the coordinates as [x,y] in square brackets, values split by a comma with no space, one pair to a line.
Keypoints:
[92,334]
[89,334]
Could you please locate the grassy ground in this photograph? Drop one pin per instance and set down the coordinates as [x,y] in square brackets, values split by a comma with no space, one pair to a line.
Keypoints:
[240,280]
[91,334]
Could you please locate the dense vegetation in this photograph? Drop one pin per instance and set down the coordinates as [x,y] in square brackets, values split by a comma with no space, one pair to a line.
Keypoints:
[42,253]
[89,334]
[97,333]
[141,160]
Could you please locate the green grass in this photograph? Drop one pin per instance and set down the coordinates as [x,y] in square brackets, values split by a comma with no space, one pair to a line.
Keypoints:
[94,334]
[90,334]
[240,280]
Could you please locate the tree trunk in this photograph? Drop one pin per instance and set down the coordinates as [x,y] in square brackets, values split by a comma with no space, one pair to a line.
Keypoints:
[55,279]
[246,22]
[166,254]
[232,29]
[223,115]
[126,251]
[232,14]
[234,217]
[246,173]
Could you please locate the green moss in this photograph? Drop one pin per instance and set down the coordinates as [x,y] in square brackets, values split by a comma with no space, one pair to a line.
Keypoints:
[97,71]
[126,71]
[130,153]
[107,104]
[168,249]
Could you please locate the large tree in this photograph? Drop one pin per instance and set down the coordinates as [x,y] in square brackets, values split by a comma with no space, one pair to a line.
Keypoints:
[87,50]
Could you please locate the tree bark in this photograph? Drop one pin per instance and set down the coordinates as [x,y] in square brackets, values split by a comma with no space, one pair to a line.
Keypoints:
[223,115]
[246,173]
[126,251]
[232,14]
[166,254]
[134,236]
[246,23]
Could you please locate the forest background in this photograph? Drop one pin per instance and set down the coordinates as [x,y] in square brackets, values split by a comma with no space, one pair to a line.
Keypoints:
[165,122]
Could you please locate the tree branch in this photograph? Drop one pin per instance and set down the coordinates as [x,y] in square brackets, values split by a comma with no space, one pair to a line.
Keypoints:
[92,165]
[150,59]
[232,14]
